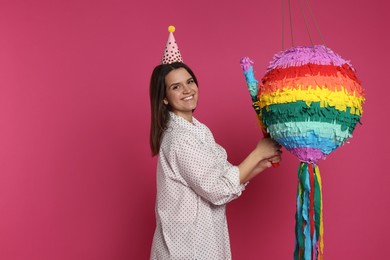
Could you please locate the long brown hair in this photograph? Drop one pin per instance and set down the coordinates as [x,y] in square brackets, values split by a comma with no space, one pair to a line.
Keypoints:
[160,111]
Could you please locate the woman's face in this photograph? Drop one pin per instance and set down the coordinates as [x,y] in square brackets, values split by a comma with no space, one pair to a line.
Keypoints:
[181,93]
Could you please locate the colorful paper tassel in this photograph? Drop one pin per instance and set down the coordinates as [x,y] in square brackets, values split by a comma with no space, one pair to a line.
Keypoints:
[309,229]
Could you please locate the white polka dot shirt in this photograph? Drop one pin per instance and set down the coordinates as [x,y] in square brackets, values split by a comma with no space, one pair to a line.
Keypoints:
[194,182]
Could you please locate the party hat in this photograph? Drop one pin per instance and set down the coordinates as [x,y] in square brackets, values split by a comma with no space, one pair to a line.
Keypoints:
[171,52]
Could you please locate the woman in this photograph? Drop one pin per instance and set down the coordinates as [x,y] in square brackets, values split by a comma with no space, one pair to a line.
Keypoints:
[194,178]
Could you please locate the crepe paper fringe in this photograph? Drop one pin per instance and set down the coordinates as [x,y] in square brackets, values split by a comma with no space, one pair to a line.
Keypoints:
[309,228]
[340,100]
[300,112]
[308,154]
[252,83]
[309,70]
[331,83]
[310,133]
[245,63]
[322,130]
[309,141]
[302,55]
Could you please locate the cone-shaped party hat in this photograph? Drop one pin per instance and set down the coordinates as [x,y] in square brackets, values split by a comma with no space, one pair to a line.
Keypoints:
[171,52]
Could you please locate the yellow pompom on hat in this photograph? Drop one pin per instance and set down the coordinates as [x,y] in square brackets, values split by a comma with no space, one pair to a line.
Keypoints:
[171,53]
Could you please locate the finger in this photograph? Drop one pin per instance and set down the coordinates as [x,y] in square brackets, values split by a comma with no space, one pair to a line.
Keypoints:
[276,159]
[268,164]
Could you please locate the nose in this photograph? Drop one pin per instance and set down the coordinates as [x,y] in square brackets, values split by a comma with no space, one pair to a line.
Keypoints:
[186,88]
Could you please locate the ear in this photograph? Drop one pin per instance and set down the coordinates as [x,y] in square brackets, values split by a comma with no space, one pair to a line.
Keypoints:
[165,101]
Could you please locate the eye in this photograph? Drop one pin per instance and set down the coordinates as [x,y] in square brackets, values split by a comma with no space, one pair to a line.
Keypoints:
[174,87]
[191,81]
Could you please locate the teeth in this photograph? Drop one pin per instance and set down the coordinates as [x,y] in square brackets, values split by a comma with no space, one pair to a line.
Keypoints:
[188,98]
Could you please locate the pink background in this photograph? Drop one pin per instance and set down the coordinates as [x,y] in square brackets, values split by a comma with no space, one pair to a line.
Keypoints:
[76,177]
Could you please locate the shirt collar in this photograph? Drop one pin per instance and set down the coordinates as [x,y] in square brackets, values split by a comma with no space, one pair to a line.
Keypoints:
[182,122]
[196,127]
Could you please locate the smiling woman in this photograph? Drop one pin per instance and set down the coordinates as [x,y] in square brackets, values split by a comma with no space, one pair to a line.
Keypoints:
[194,178]
[165,84]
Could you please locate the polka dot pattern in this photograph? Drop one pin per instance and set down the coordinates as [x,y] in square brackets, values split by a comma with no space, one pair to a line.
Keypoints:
[194,182]
[171,53]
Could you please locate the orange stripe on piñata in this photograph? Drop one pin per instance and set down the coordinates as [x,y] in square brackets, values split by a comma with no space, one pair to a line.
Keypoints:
[310,70]
[332,83]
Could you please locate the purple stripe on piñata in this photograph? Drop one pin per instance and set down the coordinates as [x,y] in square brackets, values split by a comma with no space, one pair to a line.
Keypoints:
[309,155]
[302,55]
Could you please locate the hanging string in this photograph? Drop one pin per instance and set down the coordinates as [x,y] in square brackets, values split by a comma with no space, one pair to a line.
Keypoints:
[291,27]
[315,23]
[304,20]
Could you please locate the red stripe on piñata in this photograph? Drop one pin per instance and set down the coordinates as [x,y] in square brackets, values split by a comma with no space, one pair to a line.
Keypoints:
[332,83]
[310,70]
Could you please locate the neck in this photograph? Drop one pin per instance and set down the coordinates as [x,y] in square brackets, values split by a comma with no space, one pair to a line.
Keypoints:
[186,116]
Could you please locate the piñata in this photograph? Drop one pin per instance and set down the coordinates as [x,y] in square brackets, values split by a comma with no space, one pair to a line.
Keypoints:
[309,101]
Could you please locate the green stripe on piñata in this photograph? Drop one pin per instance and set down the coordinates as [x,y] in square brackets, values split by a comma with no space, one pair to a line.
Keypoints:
[300,112]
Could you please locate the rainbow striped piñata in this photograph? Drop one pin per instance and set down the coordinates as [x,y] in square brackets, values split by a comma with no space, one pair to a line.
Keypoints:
[309,101]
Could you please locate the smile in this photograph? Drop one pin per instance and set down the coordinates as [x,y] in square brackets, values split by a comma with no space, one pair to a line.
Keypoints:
[188,98]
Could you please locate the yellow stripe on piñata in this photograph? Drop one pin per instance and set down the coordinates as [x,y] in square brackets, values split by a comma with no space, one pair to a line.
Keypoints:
[332,82]
[339,99]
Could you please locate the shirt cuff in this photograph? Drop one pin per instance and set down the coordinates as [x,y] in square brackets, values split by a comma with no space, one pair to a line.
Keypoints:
[234,173]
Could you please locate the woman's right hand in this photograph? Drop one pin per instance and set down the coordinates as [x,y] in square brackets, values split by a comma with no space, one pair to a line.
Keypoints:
[266,152]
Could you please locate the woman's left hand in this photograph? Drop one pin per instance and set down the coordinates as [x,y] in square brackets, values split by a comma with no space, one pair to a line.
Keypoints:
[267,163]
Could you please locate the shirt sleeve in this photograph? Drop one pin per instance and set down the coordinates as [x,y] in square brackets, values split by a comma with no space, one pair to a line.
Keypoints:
[205,169]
